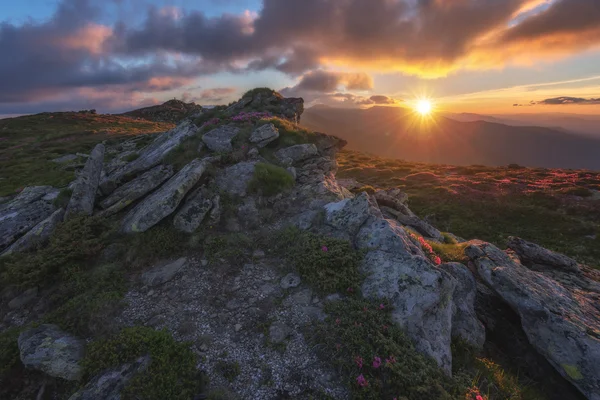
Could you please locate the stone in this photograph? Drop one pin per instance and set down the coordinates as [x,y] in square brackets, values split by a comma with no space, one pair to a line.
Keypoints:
[150,156]
[394,199]
[66,158]
[219,139]
[253,153]
[293,154]
[387,236]
[214,217]
[48,349]
[238,327]
[234,180]
[561,319]
[23,299]
[38,235]
[348,215]
[302,297]
[278,332]
[24,212]
[191,215]
[264,135]
[256,254]
[289,281]
[248,214]
[532,253]
[465,324]
[412,221]
[163,273]
[84,192]
[109,384]
[136,189]
[164,201]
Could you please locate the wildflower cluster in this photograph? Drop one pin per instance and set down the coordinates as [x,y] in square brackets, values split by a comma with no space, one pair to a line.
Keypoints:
[427,248]
[473,393]
[251,116]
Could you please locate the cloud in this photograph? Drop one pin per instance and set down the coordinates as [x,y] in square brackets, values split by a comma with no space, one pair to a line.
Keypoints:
[216,95]
[567,101]
[380,99]
[330,81]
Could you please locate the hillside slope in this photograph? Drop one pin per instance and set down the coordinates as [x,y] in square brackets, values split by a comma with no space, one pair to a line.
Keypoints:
[171,111]
[399,133]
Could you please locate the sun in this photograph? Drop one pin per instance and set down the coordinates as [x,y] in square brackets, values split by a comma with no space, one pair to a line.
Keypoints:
[424,107]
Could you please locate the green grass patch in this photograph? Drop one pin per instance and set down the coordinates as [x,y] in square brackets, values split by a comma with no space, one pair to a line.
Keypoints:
[270,179]
[185,153]
[9,356]
[235,248]
[329,265]
[131,157]
[160,242]
[449,252]
[264,90]
[172,374]
[289,133]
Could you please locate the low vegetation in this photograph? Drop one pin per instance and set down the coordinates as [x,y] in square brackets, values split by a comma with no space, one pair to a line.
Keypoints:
[558,209]
[329,265]
[270,179]
[172,373]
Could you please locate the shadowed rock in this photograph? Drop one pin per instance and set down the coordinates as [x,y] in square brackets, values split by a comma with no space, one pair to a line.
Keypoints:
[348,214]
[163,273]
[52,351]
[86,185]
[151,156]
[234,180]
[136,189]
[561,321]
[264,135]
[533,253]
[165,200]
[38,235]
[219,139]
[293,154]
[109,384]
[194,211]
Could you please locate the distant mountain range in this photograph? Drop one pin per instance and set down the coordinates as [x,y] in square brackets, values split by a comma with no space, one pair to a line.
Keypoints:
[399,133]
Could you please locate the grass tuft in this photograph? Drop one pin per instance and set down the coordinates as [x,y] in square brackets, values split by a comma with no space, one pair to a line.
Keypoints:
[270,179]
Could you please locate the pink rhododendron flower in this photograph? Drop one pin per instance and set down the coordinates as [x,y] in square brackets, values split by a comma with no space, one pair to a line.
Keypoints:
[337,321]
[437,260]
[324,248]
[478,397]
[376,362]
[362,382]
[358,361]
[381,306]
[391,360]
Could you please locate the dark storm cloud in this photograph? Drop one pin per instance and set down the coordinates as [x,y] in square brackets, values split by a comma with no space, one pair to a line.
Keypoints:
[568,100]
[330,81]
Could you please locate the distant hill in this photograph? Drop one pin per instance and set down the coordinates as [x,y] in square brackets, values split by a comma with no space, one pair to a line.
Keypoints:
[171,111]
[399,133]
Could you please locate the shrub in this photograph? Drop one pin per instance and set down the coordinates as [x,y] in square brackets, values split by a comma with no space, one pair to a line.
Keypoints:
[254,92]
[375,357]
[229,370]
[577,191]
[183,154]
[234,247]
[270,179]
[330,265]
[172,374]
[160,242]
[62,200]
[9,356]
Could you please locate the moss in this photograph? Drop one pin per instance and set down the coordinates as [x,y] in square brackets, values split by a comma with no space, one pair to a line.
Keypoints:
[330,265]
[172,373]
[572,371]
[270,179]
[450,252]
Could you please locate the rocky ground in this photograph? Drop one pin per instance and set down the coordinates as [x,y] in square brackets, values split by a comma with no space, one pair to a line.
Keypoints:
[273,280]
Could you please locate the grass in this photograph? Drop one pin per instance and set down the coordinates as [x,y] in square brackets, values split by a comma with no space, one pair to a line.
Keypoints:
[29,143]
[551,207]
[255,91]
[270,179]
[184,153]
[172,373]
[62,200]
[329,265]
[160,242]
[235,248]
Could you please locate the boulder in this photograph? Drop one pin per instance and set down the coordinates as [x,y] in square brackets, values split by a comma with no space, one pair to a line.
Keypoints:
[532,253]
[293,154]
[24,212]
[219,139]
[23,299]
[38,235]
[561,319]
[150,156]
[84,192]
[109,384]
[278,332]
[264,135]
[52,351]
[289,108]
[394,199]
[163,273]
[465,324]
[349,214]
[414,222]
[165,200]
[66,158]
[234,180]
[193,212]
[136,189]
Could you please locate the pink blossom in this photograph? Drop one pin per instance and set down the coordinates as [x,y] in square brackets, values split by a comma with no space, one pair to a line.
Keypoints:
[325,249]
[391,360]
[381,306]
[358,361]
[376,362]
[337,321]
[350,290]
[362,382]
[437,260]
[478,397]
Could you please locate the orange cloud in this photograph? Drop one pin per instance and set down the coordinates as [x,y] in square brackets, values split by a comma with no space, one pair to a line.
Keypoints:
[91,37]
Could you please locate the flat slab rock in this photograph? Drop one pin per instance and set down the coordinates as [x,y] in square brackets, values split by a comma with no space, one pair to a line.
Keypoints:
[264,135]
[38,235]
[219,139]
[163,273]
[234,180]
[52,351]
[293,154]
[561,319]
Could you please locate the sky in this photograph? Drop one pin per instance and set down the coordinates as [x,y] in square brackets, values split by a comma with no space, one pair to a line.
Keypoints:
[480,56]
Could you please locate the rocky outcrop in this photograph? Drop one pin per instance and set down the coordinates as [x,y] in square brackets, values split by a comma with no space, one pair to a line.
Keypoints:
[234,180]
[48,349]
[348,215]
[32,206]
[151,156]
[109,384]
[191,215]
[38,235]
[465,324]
[264,135]
[560,318]
[170,111]
[219,139]
[265,99]
[533,254]
[293,154]
[165,200]
[84,192]
[136,189]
